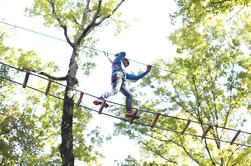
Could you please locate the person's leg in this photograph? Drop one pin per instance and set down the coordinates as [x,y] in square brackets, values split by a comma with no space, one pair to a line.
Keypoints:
[128,95]
[116,85]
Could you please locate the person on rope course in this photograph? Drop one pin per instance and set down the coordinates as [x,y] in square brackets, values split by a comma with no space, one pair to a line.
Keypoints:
[118,79]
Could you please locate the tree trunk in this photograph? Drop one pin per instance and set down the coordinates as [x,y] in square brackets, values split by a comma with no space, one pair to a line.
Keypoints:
[66,147]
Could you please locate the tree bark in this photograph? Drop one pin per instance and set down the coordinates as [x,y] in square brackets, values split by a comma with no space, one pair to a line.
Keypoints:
[66,147]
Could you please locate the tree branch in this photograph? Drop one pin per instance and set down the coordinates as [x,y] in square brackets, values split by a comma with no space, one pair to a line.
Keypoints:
[208,151]
[75,20]
[91,25]
[183,107]
[214,93]
[186,94]
[3,159]
[158,154]
[3,132]
[54,78]
[185,150]
[95,17]
[114,10]
[217,2]
[87,10]
[230,98]
[84,17]
[232,154]
[60,23]
[179,145]
[197,100]
[236,13]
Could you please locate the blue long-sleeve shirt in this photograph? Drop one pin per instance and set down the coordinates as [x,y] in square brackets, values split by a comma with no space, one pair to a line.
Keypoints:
[135,77]
[118,61]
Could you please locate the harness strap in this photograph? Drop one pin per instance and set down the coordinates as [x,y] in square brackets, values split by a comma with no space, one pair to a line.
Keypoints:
[106,54]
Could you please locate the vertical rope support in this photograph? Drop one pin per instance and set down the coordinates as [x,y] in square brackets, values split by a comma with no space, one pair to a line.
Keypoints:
[48,87]
[134,116]
[26,78]
[102,106]
[236,135]
[185,128]
[155,120]
[206,131]
[80,98]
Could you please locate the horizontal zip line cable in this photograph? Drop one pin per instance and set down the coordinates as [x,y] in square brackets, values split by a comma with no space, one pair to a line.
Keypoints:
[116,117]
[155,113]
[56,38]
[49,36]
[97,50]
[53,37]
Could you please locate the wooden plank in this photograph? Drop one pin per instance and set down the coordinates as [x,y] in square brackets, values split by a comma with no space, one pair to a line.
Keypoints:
[26,78]
[155,120]
[48,87]
[236,135]
[134,116]
[102,106]
[80,98]
[206,131]
[185,128]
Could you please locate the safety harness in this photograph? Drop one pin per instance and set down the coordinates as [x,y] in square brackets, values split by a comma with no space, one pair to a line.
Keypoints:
[106,54]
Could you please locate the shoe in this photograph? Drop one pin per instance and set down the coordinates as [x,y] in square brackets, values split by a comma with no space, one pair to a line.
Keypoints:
[129,114]
[99,102]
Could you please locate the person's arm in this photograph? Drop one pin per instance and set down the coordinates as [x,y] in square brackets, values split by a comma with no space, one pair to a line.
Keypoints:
[136,77]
